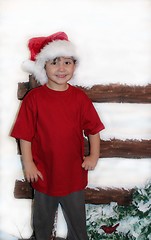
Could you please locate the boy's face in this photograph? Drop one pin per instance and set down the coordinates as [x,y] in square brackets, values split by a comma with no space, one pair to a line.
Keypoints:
[59,71]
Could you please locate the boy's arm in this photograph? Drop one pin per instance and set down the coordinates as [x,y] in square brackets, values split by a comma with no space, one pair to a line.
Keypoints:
[90,161]
[31,171]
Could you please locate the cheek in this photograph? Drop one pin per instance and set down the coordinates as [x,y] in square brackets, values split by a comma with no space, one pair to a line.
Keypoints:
[49,70]
[72,69]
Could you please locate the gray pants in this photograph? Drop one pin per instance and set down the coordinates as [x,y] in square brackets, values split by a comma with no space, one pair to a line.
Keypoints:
[73,207]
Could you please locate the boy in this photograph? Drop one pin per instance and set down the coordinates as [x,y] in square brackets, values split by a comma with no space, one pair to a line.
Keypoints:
[50,126]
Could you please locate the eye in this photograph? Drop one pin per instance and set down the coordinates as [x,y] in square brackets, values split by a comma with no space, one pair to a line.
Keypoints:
[67,62]
[53,63]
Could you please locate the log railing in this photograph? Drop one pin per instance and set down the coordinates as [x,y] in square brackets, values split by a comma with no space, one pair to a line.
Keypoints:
[23,190]
[119,93]
[108,195]
[124,149]
[116,93]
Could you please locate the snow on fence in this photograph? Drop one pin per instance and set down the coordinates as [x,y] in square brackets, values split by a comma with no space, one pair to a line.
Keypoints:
[135,149]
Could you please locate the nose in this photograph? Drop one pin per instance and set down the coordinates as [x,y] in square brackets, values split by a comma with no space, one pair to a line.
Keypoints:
[61,66]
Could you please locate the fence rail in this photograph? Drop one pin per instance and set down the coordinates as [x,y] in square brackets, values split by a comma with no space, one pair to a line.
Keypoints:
[23,190]
[124,149]
[117,93]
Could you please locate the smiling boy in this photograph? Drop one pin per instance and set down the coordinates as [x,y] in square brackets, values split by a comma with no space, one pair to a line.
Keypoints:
[50,126]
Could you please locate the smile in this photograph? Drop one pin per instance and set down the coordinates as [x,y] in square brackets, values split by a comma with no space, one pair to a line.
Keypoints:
[61,76]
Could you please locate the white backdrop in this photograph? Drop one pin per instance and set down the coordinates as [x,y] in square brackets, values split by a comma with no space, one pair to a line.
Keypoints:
[114,42]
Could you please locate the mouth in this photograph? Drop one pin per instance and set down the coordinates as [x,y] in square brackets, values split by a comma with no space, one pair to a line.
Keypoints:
[61,75]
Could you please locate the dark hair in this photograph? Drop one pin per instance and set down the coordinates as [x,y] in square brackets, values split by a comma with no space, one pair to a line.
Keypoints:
[55,59]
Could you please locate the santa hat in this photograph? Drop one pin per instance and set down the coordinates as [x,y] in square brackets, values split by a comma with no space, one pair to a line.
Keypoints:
[43,49]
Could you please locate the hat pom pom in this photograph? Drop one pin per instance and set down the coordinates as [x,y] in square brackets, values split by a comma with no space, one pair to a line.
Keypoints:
[28,66]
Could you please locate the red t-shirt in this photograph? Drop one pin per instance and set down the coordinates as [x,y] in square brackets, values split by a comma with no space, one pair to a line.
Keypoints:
[54,122]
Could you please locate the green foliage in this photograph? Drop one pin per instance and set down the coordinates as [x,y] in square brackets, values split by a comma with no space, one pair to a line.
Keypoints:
[134,220]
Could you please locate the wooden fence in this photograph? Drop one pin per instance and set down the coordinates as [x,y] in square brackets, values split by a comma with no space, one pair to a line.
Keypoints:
[135,149]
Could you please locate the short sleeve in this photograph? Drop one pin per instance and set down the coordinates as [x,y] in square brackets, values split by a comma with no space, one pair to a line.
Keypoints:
[25,124]
[91,120]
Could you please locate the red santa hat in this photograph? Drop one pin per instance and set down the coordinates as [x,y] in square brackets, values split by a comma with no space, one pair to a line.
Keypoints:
[43,49]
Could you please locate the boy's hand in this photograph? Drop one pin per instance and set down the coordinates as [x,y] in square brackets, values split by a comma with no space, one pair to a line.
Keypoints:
[32,173]
[30,169]
[89,163]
